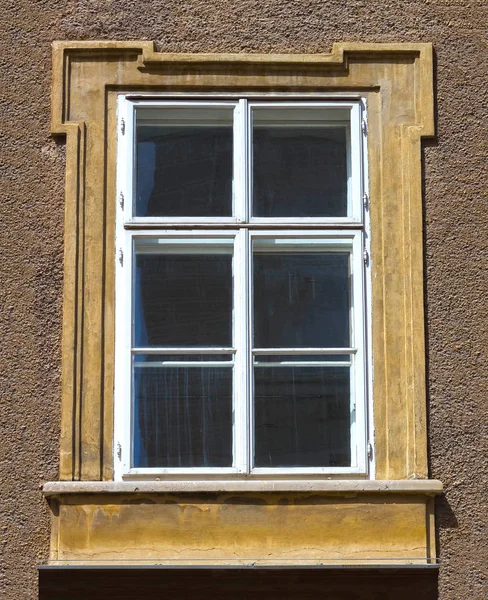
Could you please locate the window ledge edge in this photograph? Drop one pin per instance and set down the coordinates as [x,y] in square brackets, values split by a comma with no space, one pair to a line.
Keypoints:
[429,487]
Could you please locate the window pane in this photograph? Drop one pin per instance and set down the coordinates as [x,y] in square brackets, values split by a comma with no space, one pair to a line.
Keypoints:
[299,163]
[301,300]
[182,417]
[183,299]
[154,359]
[270,359]
[302,417]
[184,162]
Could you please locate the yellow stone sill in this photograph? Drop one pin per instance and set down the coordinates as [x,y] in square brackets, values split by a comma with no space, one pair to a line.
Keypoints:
[429,487]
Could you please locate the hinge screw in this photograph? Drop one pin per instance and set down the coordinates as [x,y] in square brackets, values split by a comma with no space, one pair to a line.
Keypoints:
[370,451]
[121,257]
[122,127]
[365,201]
[365,257]
[119,451]
[364,127]
[121,200]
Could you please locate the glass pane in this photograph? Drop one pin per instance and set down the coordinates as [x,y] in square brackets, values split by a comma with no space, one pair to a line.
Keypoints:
[151,360]
[302,417]
[300,358]
[301,300]
[183,299]
[184,162]
[299,163]
[182,417]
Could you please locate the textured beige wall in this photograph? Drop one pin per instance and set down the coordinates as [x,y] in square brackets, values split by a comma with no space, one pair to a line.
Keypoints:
[456,236]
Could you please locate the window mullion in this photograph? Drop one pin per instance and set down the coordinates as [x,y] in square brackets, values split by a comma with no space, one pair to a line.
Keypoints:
[240,162]
[241,364]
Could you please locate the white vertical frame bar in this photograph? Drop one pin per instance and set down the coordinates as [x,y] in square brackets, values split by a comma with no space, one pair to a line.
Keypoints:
[249,161]
[123,268]
[355,204]
[250,342]
[358,380]
[241,357]
[368,293]
[240,162]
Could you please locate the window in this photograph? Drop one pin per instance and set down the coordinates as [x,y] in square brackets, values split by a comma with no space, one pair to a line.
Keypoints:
[117,194]
[241,337]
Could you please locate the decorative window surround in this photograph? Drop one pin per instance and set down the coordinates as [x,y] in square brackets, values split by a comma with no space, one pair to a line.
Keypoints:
[396,81]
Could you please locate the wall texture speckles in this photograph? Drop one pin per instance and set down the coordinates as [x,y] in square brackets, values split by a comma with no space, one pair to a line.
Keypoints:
[456,234]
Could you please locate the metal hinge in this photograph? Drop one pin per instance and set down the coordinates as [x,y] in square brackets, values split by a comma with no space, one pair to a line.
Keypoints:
[121,257]
[122,127]
[119,451]
[365,201]
[370,451]
[121,200]
[364,126]
[365,256]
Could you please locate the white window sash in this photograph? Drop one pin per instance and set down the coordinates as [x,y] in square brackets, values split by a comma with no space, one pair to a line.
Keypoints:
[348,229]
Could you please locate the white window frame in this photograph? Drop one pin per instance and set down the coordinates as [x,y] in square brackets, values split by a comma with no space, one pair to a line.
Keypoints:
[351,232]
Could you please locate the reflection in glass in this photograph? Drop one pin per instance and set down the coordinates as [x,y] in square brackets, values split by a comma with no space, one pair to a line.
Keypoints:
[184,162]
[299,164]
[182,417]
[301,300]
[183,300]
[302,417]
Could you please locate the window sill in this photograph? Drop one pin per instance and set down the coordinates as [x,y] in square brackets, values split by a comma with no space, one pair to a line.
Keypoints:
[429,487]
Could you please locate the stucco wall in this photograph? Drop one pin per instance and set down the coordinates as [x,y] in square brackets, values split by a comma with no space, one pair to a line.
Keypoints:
[456,237]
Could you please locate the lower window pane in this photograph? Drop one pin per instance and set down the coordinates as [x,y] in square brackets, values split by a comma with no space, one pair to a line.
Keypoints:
[182,417]
[302,417]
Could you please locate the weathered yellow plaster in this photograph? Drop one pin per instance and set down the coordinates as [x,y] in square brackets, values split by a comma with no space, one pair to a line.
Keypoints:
[225,529]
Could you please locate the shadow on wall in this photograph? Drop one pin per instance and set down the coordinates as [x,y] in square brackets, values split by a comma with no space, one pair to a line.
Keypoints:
[59,583]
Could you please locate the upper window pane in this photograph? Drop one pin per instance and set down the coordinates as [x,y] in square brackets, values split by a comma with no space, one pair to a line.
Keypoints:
[183,294]
[299,162]
[301,298]
[184,161]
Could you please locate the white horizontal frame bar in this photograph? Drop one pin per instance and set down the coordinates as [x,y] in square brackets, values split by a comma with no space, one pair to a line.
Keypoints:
[162,364]
[254,95]
[333,106]
[190,350]
[186,234]
[302,364]
[298,351]
[165,221]
[168,103]
[325,223]
[332,236]
[290,471]
[189,472]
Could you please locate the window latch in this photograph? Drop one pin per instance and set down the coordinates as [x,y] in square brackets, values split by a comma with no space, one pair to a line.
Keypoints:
[364,127]
[121,257]
[370,451]
[119,451]
[365,201]
[121,200]
[122,127]
[366,257]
